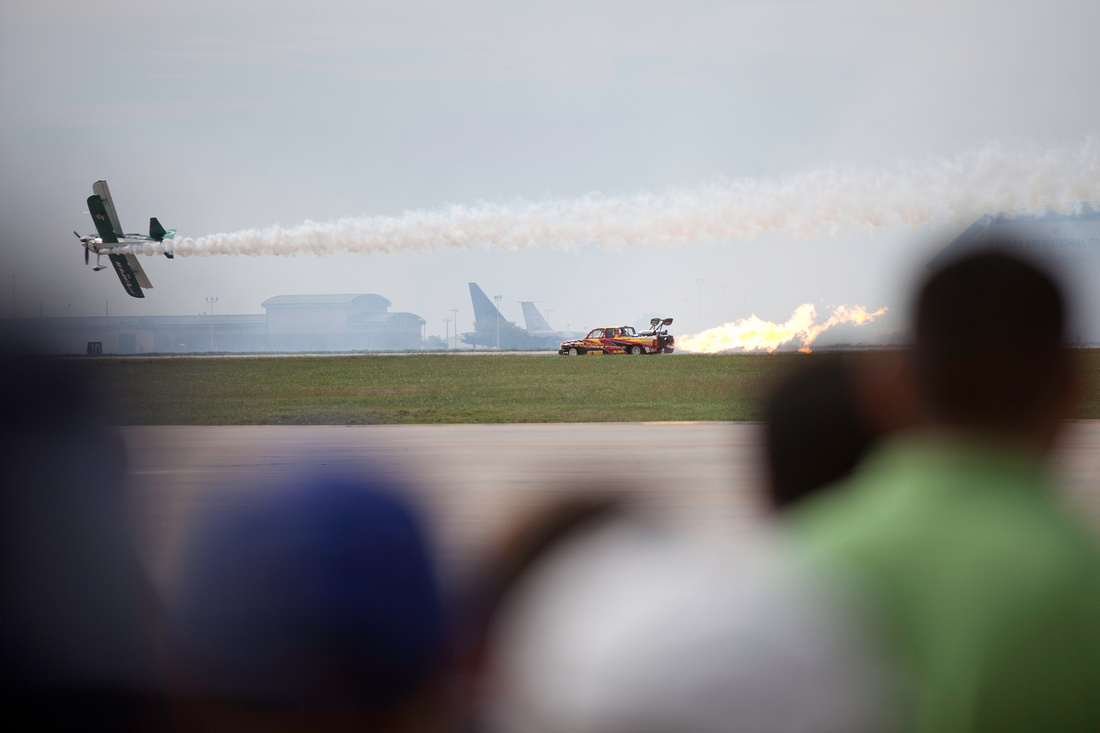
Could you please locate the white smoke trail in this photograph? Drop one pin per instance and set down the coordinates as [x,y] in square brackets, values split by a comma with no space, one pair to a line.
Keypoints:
[810,204]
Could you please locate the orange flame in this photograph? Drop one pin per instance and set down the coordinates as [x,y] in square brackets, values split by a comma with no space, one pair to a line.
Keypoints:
[754,334]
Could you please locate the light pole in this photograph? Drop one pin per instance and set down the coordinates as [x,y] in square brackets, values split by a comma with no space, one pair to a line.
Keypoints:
[455,311]
[497,299]
[210,301]
[447,332]
[548,312]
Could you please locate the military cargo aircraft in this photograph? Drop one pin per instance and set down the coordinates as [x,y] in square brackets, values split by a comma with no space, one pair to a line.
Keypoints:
[487,318]
[110,236]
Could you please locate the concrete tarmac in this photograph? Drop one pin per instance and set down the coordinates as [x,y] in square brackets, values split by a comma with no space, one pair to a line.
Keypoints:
[474,481]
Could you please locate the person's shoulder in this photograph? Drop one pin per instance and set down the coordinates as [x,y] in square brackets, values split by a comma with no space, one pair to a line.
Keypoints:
[918,504]
[1059,547]
[854,508]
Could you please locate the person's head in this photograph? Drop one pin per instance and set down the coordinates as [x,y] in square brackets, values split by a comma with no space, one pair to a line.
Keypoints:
[313,607]
[989,354]
[814,430]
[527,543]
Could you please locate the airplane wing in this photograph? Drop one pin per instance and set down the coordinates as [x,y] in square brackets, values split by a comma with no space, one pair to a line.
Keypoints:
[99,188]
[130,273]
[102,220]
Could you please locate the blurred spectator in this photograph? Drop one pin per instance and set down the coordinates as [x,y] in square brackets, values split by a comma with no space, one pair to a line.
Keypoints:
[823,418]
[529,541]
[79,620]
[317,608]
[987,591]
[814,429]
[615,626]
[526,545]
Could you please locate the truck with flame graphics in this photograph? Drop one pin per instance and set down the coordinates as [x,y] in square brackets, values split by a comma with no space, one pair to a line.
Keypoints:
[623,340]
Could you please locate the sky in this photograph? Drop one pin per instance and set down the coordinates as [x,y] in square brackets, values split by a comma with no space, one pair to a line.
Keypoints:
[847,141]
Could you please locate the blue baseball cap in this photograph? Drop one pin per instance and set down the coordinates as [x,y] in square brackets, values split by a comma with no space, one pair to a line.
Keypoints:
[321,595]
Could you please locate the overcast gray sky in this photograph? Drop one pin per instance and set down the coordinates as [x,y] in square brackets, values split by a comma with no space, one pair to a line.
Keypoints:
[224,115]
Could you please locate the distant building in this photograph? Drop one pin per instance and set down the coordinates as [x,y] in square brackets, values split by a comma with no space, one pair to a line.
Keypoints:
[339,322]
[144,334]
[291,323]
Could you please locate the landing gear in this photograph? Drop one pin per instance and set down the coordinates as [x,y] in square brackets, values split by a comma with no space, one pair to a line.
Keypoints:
[88,243]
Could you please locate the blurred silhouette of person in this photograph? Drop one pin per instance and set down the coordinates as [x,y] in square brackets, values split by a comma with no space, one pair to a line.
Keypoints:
[825,416]
[987,591]
[531,539]
[603,623]
[80,622]
[312,608]
[815,433]
[528,541]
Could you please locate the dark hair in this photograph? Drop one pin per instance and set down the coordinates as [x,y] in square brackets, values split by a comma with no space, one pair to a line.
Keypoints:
[530,542]
[814,433]
[989,349]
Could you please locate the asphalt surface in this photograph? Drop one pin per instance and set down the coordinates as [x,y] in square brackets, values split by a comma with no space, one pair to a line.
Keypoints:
[475,481]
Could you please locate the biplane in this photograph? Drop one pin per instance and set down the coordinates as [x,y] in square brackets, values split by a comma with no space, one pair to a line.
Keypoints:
[110,236]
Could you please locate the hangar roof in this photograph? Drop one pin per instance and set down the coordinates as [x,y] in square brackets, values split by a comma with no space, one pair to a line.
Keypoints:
[367,301]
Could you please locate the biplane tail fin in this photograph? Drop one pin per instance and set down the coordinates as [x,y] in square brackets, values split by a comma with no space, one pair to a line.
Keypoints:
[159,233]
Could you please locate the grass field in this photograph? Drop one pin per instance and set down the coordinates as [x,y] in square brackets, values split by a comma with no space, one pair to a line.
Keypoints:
[447,388]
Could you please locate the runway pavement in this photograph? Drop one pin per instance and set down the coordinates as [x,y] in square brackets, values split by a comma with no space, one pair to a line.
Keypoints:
[474,480]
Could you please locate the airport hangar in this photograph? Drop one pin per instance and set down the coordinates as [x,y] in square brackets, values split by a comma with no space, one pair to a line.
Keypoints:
[353,322]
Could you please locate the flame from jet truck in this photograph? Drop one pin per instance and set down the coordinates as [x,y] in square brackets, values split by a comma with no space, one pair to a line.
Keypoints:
[755,334]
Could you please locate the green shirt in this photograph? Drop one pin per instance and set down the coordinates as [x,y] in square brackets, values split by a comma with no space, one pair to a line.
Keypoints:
[988,592]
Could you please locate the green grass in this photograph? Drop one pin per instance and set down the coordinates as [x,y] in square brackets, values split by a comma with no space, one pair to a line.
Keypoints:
[447,388]
[429,388]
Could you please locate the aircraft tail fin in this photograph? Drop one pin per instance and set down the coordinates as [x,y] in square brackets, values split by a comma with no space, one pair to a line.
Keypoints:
[532,318]
[484,310]
[159,233]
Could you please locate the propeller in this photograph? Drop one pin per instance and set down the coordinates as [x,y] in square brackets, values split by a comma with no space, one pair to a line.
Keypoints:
[86,241]
[83,240]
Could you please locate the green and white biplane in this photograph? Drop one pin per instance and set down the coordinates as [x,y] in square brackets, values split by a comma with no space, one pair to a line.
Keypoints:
[111,236]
